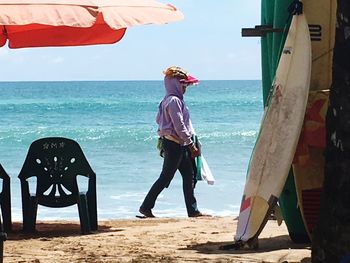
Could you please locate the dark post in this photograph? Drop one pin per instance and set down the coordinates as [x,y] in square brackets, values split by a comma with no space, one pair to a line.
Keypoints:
[331,236]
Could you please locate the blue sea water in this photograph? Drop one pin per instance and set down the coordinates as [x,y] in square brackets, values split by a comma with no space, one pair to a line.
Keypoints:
[114,123]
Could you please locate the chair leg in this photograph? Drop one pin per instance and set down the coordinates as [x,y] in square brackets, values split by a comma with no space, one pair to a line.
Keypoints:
[84,214]
[6,216]
[92,205]
[3,237]
[29,219]
[24,214]
[93,219]
[6,206]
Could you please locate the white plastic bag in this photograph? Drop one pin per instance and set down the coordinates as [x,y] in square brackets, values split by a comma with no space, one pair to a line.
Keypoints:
[206,172]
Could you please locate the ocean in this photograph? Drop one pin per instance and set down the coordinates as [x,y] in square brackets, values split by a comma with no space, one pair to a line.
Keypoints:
[114,123]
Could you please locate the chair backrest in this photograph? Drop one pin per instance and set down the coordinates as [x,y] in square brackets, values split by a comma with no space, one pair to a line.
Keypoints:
[3,175]
[56,162]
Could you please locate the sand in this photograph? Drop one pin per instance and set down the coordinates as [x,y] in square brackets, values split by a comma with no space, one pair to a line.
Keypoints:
[150,240]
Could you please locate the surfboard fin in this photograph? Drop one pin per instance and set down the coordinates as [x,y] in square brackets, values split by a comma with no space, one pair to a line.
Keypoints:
[278,214]
[252,243]
[235,245]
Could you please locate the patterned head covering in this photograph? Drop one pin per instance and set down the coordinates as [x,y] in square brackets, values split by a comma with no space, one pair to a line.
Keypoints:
[182,75]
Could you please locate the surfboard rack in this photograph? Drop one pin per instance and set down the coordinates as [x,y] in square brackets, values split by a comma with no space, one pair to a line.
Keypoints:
[260,31]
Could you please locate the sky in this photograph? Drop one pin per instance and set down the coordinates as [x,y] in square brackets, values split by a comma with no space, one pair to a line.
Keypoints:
[207,43]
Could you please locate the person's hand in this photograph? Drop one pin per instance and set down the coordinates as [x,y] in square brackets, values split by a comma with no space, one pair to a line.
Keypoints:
[194,151]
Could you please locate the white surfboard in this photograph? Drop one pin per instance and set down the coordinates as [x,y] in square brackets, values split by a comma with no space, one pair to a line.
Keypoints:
[279,133]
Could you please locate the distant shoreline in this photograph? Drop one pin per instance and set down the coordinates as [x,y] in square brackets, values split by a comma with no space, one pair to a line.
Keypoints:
[138,80]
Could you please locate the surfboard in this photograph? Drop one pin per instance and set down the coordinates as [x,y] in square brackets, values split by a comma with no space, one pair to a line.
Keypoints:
[275,13]
[309,160]
[279,133]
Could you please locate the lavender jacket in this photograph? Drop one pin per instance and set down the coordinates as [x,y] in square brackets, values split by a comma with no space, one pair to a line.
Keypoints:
[173,117]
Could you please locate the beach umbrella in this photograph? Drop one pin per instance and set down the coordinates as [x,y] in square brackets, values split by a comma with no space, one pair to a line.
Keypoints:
[44,23]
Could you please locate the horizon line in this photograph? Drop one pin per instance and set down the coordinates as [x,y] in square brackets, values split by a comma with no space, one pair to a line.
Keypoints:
[109,80]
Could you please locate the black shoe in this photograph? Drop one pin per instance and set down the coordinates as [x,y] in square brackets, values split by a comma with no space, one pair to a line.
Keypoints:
[199,214]
[146,212]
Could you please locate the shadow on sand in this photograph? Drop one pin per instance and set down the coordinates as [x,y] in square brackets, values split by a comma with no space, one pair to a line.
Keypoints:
[265,245]
[53,229]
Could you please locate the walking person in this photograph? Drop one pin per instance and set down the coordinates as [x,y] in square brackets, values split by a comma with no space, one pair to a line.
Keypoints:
[175,131]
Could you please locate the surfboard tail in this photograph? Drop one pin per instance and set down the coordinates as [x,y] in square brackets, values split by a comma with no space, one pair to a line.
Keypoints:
[254,213]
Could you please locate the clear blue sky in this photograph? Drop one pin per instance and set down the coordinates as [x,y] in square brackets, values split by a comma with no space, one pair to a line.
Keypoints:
[207,43]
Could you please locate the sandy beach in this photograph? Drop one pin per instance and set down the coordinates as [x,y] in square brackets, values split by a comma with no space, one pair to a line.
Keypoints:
[150,240]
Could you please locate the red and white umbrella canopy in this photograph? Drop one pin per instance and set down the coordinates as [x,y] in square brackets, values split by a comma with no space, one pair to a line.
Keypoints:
[40,23]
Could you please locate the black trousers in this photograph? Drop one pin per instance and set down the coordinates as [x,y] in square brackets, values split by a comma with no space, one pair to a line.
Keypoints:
[176,157]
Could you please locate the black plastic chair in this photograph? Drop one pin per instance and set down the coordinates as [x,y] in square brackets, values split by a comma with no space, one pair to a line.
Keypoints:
[56,162]
[5,200]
